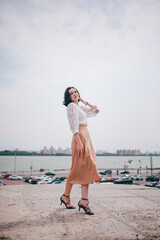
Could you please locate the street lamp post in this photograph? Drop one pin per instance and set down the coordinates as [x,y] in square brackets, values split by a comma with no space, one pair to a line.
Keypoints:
[31,169]
[140,167]
[15,160]
[151,164]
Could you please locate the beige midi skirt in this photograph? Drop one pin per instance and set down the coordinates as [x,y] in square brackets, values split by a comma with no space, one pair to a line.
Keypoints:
[84,167]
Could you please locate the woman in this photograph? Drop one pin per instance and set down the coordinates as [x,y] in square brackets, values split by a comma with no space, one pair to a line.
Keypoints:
[83,170]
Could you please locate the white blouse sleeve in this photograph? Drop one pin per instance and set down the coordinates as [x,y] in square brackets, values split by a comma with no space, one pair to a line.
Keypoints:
[73,117]
[90,112]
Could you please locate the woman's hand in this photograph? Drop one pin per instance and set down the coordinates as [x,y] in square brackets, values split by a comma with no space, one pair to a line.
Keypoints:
[89,105]
[79,145]
[81,100]
[79,149]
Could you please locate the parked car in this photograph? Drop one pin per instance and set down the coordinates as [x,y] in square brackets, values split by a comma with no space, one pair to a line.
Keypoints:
[46,177]
[62,178]
[108,172]
[152,178]
[7,175]
[104,179]
[124,180]
[2,184]
[102,173]
[58,182]
[125,175]
[28,179]
[44,181]
[50,182]
[158,185]
[137,177]
[35,180]
[125,172]
[50,174]
[15,177]
[151,184]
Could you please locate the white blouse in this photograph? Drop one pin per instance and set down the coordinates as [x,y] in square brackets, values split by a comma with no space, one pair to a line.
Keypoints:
[78,115]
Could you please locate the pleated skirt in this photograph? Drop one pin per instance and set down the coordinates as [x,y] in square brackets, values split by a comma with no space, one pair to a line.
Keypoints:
[84,167]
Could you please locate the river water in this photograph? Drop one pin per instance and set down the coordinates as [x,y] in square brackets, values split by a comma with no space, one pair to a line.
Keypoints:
[25,163]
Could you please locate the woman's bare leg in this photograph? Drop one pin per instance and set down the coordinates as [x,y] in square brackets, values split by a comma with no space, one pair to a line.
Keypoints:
[67,192]
[68,188]
[84,192]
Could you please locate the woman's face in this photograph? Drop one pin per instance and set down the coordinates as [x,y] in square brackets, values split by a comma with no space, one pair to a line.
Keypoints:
[74,95]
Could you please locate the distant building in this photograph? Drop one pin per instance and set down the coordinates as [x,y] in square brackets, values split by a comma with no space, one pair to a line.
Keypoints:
[67,151]
[64,151]
[52,150]
[45,150]
[100,152]
[128,152]
[59,150]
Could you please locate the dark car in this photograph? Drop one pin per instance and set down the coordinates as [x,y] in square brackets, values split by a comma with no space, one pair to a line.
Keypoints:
[152,178]
[124,180]
[61,178]
[108,171]
[50,174]
[151,184]
[102,173]
[125,172]
[158,185]
[27,179]
[34,181]
[57,180]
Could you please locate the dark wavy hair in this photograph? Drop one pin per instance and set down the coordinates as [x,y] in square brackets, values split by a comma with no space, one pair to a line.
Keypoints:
[67,97]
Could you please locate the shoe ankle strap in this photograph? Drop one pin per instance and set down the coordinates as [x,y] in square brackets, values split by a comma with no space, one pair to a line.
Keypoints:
[84,199]
[66,196]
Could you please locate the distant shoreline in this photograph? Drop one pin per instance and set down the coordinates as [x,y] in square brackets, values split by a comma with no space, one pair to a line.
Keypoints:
[12,153]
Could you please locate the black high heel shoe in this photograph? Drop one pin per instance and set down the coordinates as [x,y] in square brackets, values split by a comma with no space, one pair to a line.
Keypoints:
[85,208]
[66,203]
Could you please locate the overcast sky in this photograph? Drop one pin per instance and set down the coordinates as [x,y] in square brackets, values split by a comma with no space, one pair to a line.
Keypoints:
[108,49]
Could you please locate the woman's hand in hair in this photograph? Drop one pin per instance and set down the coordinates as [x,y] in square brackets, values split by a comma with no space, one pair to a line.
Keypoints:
[81,100]
[89,105]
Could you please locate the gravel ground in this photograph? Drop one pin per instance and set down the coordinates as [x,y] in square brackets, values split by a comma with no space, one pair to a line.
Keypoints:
[122,212]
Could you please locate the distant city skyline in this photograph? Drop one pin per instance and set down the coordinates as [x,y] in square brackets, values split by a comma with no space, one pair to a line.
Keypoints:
[53,151]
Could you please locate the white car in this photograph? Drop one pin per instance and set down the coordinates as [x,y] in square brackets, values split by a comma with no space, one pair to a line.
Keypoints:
[137,177]
[43,181]
[15,177]
[46,177]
